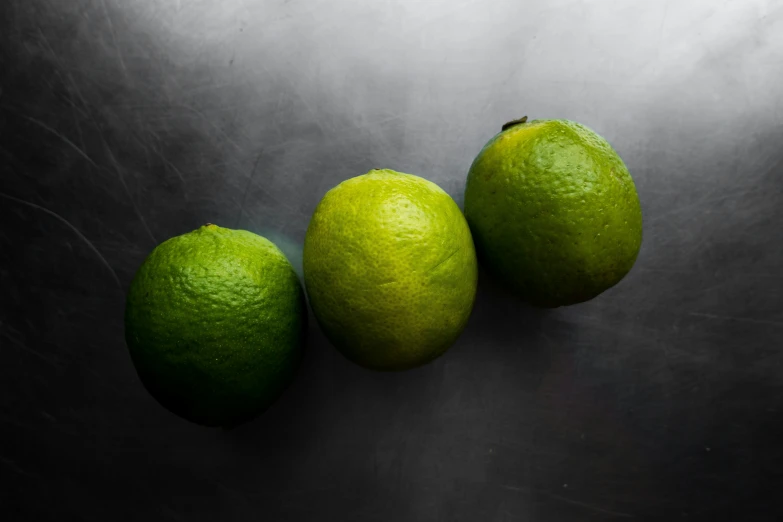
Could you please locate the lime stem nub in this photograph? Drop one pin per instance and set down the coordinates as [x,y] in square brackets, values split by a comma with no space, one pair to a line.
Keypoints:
[510,124]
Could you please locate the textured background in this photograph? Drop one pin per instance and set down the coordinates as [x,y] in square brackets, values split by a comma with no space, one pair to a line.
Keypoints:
[123,123]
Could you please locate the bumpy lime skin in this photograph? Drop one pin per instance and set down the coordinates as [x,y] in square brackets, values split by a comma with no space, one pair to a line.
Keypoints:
[390,270]
[215,322]
[553,211]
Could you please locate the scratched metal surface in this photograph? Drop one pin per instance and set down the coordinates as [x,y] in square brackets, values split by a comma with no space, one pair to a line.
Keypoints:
[125,123]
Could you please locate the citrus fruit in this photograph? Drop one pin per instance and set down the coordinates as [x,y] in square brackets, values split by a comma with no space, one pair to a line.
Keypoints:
[390,269]
[553,211]
[214,322]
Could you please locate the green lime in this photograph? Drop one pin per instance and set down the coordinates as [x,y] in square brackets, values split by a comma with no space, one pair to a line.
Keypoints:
[553,211]
[390,269]
[214,322]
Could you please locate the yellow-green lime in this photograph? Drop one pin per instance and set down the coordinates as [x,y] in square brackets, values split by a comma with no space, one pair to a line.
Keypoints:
[214,322]
[390,269]
[553,211]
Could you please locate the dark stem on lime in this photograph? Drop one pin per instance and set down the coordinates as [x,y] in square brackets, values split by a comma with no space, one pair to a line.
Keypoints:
[510,124]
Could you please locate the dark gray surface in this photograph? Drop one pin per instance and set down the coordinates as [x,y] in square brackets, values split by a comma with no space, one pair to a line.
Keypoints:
[125,123]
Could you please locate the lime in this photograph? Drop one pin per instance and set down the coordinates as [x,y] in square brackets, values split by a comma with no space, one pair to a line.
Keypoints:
[390,269]
[214,322]
[553,211]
